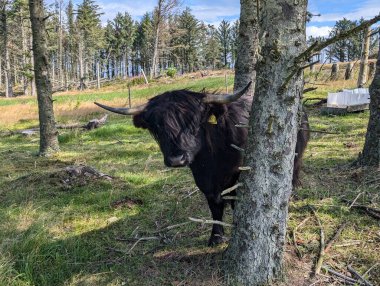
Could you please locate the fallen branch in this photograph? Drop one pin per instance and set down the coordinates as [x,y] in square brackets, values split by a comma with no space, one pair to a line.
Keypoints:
[335,236]
[231,189]
[321,255]
[375,213]
[142,239]
[209,221]
[319,131]
[357,275]
[340,275]
[170,227]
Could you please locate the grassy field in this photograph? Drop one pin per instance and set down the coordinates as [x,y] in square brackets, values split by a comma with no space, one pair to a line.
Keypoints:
[58,229]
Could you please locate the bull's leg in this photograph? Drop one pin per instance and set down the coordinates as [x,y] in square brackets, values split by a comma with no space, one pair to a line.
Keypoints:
[217,208]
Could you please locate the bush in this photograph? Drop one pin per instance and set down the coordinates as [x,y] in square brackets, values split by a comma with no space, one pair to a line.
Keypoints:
[171,72]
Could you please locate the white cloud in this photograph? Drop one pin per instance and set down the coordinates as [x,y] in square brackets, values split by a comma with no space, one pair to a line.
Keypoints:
[211,14]
[369,9]
[135,9]
[317,31]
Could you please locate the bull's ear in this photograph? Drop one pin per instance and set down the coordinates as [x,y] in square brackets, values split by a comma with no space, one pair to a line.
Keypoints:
[139,121]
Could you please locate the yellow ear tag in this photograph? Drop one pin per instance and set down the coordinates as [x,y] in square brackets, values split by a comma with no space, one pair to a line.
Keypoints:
[212,119]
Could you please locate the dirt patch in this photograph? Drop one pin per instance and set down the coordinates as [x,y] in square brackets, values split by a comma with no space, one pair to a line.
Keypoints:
[126,203]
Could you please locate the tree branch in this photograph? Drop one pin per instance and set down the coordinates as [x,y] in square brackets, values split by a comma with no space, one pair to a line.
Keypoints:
[317,46]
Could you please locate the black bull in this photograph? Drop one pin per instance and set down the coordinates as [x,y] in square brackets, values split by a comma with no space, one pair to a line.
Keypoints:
[196,130]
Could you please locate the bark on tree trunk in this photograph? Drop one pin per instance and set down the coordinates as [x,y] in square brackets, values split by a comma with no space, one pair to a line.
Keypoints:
[371,150]
[364,61]
[247,47]
[255,252]
[48,130]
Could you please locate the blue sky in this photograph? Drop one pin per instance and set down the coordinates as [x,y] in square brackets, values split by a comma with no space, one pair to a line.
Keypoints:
[213,11]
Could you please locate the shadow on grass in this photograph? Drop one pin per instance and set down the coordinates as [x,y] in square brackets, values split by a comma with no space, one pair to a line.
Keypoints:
[44,260]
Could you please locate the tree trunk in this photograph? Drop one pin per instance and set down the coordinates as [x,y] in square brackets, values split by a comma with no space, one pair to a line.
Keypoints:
[247,47]
[348,73]
[334,71]
[255,252]
[33,89]
[371,69]
[362,79]
[97,74]
[371,150]
[48,131]
[155,52]
[7,67]
[24,47]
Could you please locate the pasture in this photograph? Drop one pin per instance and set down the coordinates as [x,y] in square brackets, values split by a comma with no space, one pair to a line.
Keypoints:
[134,228]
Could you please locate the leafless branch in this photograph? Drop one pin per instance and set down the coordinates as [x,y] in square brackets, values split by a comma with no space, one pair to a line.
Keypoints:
[317,46]
[357,275]
[231,189]
[209,221]
[237,148]
[340,275]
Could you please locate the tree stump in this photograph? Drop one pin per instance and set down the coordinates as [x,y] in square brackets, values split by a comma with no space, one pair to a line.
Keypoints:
[348,73]
[334,71]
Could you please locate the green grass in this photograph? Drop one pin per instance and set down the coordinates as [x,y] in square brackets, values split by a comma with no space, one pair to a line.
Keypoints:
[53,233]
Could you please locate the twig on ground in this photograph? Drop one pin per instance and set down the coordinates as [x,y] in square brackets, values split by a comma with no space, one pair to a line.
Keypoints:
[340,275]
[357,275]
[318,131]
[298,252]
[348,244]
[335,236]
[142,239]
[375,213]
[354,201]
[170,227]
[370,269]
[209,221]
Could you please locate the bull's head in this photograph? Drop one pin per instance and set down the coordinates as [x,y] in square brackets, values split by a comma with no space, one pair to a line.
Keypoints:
[175,120]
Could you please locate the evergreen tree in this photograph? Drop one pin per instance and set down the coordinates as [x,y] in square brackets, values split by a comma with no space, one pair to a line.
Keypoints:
[224,35]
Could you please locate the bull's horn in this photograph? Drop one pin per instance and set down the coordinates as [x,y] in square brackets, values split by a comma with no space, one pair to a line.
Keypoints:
[124,111]
[226,98]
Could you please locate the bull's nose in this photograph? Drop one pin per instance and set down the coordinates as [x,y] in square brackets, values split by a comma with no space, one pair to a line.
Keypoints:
[176,161]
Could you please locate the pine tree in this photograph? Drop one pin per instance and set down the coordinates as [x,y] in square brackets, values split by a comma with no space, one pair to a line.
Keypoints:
[224,34]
